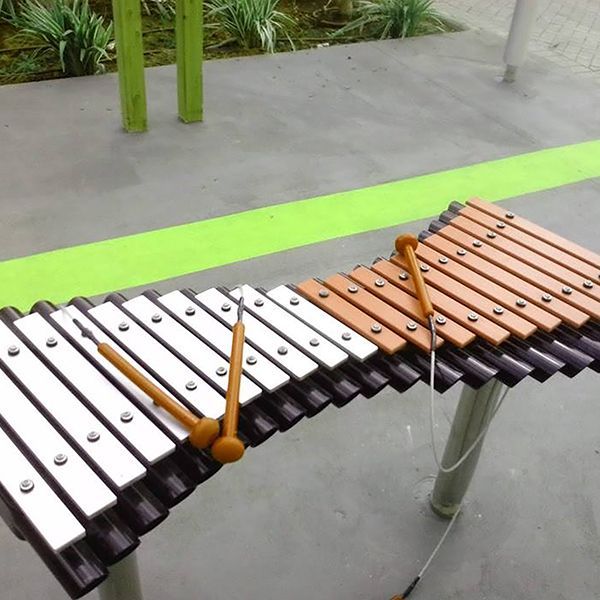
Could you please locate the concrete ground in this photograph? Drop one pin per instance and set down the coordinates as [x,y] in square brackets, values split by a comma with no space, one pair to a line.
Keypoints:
[336,508]
[566,32]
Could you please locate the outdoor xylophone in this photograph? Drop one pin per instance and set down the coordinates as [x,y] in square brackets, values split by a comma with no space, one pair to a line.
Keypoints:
[107,412]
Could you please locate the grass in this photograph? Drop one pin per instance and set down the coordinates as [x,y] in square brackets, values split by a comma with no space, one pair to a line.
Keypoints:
[20,68]
[165,9]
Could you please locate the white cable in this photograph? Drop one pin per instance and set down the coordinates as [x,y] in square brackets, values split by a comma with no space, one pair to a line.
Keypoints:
[482,433]
[439,544]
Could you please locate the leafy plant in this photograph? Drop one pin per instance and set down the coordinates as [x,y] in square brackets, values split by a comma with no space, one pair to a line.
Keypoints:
[73,31]
[393,18]
[22,66]
[7,9]
[252,23]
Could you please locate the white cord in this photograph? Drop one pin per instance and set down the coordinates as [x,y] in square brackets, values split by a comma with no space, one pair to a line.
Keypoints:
[439,544]
[482,433]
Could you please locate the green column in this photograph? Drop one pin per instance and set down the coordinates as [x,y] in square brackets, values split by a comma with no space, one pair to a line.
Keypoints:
[130,62]
[189,34]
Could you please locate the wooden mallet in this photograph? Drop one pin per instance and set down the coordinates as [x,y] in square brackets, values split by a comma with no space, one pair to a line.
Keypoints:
[406,245]
[203,430]
[228,447]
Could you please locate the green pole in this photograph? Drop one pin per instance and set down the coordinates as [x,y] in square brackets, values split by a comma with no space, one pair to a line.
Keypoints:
[130,62]
[189,34]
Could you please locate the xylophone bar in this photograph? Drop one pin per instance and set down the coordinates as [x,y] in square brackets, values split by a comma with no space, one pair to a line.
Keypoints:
[35,513]
[131,407]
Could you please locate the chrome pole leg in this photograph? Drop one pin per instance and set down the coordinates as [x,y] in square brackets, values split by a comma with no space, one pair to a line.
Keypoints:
[473,414]
[123,582]
[518,37]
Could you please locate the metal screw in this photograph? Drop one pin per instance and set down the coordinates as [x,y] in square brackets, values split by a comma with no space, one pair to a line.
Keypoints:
[346,336]
[190,311]
[93,436]
[314,342]
[251,360]
[376,328]
[60,459]
[567,290]
[156,318]
[440,320]
[477,243]
[123,326]
[380,282]
[491,234]
[461,252]
[498,310]
[521,302]
[352,289]
[500,225]
[473,316]
[443,260]
[294,301]
[323,293]
[588,284]
[191,386]
[411,326]
[546,297]
[51,342]
[26,486]
[259,302]
[13,350]
[424,268]
[225,307]
[282,350]
[510,215]
[403,276]
[127,416]
[221,371]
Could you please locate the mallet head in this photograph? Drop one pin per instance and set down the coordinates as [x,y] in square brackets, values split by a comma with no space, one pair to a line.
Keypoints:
[227,449]
[404,240]
[204,433]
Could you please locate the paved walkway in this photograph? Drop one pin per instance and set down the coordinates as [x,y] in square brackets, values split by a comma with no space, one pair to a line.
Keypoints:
[567,32]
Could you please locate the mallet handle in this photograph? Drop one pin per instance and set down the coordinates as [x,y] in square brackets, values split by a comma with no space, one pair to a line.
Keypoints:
[232,397]
[203,430]
[406,244]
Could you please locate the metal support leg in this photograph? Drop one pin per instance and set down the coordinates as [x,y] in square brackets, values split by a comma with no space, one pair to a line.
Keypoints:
[123,581]
[518,37]
[473,413]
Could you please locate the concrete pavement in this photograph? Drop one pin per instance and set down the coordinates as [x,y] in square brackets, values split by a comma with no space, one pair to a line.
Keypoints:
[566,32]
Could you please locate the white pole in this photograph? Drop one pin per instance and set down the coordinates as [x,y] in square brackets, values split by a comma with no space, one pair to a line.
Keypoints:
[518,37]
[473,415]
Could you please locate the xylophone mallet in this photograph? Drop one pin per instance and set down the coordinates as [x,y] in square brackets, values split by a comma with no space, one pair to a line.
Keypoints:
[406,245]
[203,430]
[228,447]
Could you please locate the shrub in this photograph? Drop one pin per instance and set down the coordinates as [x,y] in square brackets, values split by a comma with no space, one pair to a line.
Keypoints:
[74,32]
[253,23]
[393,18]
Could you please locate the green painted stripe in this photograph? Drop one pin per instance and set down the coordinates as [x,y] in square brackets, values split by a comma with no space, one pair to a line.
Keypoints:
[140,259]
